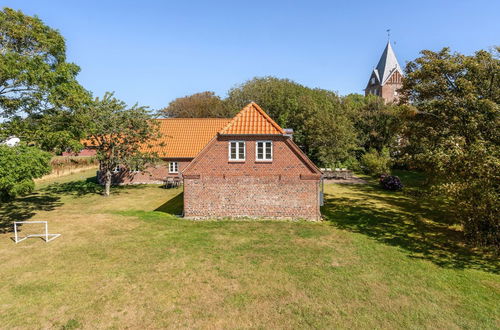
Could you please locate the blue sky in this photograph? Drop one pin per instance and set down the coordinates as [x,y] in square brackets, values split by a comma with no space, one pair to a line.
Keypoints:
[151,52]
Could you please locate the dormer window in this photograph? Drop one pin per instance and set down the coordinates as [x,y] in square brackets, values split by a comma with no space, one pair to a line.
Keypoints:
[264,151]
[237,150]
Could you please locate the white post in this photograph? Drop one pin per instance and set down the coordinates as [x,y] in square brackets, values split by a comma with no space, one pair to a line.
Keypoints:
[15,231]
[46,231]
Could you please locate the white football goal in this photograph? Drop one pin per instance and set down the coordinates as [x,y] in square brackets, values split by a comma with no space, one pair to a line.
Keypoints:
[46,236]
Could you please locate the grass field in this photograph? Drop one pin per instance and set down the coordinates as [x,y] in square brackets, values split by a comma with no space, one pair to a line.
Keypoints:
[379,259]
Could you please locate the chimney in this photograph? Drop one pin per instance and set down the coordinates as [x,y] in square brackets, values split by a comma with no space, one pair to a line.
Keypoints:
[289,132]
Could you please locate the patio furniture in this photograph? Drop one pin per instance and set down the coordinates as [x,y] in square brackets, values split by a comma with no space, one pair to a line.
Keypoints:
[169,182]
[337,174]
[173,182]
[177,181]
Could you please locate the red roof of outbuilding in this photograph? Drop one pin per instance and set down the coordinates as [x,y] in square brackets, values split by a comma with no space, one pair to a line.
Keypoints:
[185,137]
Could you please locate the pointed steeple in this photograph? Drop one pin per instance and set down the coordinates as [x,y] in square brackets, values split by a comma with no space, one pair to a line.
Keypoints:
[387,64]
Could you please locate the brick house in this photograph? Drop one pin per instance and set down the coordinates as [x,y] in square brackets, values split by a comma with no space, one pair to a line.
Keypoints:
[387,78]
[252,168]
[247,166]
[182,139]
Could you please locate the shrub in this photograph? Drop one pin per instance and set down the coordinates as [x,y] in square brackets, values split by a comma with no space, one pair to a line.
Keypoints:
[18,167]
[376,163]
[391,182]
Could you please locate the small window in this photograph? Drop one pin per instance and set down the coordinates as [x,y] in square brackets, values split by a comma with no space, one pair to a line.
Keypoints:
[373,81]
[237,150]
[136,169]
[264,151]
[116,169]
[173,167]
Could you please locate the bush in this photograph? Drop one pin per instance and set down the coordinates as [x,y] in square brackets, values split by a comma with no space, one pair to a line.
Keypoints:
[376,163]
[391,182]
[18,167]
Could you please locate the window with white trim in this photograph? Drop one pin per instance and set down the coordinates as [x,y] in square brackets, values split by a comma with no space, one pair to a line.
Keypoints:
[136,169]
[264,151]
[116,169]
[173,167]
[237,150]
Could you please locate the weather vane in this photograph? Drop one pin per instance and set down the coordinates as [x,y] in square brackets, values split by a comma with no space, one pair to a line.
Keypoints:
[388,34]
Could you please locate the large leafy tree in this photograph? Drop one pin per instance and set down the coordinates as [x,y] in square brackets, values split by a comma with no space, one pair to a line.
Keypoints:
[454,133]
[39,92]
[199,105]
[122,136]
[18,167]
[378,124]
[321,127]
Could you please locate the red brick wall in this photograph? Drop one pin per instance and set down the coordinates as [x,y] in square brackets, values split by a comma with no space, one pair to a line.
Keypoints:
[152,175]
[215,162]
[83,152]
[390,91]
[250,188]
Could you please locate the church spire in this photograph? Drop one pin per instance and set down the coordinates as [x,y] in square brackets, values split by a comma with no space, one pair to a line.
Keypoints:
[387,64]
[386,78]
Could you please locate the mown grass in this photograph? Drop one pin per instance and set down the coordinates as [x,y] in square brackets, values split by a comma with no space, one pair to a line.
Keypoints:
[380,259]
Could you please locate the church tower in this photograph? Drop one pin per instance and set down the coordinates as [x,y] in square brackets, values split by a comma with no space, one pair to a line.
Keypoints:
[387,77]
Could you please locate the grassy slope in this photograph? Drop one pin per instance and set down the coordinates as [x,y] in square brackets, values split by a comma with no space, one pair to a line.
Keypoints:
[380,260]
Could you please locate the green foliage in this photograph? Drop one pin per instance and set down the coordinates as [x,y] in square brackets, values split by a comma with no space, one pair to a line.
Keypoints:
[376,162]
[377,124]
[39,91]
[18,167]
[199,105]
[321,127]
[454,134]
[122,136]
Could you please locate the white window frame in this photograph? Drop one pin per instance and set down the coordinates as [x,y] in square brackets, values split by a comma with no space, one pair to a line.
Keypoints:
[135,169]
[263,151]
[173,167]
[116,169]
[237,159]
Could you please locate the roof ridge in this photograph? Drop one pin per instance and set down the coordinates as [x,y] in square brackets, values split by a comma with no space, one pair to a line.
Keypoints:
[187,118]
[236,122]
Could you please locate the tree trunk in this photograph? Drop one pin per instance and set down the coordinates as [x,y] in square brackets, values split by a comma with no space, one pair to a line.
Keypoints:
[107,183]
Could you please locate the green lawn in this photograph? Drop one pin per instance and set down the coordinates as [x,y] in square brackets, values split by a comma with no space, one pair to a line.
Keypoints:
[379,259]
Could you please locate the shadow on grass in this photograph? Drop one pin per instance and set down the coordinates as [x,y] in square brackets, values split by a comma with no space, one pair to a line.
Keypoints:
[86,187]
[46,199]
[24,208]
[413,225]
[75,188]
[173,206]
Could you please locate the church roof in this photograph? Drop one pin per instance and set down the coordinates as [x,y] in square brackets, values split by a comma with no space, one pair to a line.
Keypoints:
[387,64]
[252,120]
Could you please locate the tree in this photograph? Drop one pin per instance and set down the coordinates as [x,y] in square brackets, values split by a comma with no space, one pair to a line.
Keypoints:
[38,88]
[199,105]
[376,163]
[454,133]
[377,124]
[321,127]
[122,136]
[18,167]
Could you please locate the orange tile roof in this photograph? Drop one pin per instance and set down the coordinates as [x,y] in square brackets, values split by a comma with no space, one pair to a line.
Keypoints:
[252,120]
[185,137]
